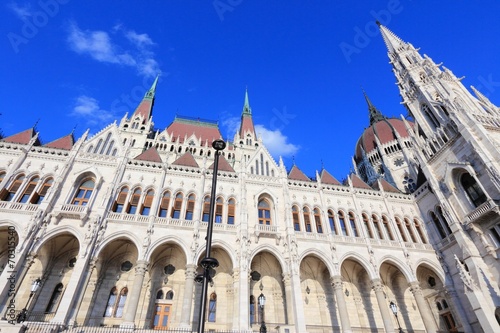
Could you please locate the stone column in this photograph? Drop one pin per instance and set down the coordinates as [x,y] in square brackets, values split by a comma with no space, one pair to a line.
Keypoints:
[134,295]
[243,298]
[338,288]
[423,308]
[288,295]
[187,301]
[236,299]
[298,305]
[383,305]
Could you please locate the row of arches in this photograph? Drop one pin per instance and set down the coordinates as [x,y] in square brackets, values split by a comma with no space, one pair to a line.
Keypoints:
[26,190]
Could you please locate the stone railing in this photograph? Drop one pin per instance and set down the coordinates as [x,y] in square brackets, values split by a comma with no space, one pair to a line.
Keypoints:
[25,208]
[485,208]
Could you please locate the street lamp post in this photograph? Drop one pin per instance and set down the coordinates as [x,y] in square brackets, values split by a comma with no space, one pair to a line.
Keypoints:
[262,303]
[394,310]
[23,315]
[209,263]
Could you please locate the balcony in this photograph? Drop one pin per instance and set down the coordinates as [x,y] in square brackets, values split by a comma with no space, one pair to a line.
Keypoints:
[23,208]
[128,218]
[484,212]
[70,211]
[265,230]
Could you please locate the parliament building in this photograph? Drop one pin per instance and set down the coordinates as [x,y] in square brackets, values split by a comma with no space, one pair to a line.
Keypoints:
[109,229]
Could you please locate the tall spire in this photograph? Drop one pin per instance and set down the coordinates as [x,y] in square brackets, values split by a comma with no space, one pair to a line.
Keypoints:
[375,114]
[392,41]
[145,108]
[246,127]
[246,106]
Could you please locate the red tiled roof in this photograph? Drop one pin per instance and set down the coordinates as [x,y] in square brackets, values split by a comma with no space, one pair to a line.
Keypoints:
[223,165]
[185,128]
[144,109]
[297,174]
[327,178]
[66,142]
[186,160]
[388,187]
[246,125]
[23,137]
[358,183]
[150,155]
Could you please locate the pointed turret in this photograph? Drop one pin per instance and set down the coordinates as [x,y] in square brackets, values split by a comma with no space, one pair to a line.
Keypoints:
[247,129]
[145,109]
[375,114]
[392,41]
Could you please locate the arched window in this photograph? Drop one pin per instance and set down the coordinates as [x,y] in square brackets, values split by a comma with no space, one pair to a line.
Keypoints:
[307,219]
[165,202]
[352,222]
[170,295]
[473,190]
[331,221]
[134,201]
[387,227]
[122,298]
[120,200]
[317,220]
[420,232]
[219,204]
[295,218]
[206,209]
[8,195]
[342,223]
[377,226]
[430,116]
[264,212]
[84,193]
[159,294]
[410,230]
[42,191]
[110,305]
[231,211]
[446,316]
[190,207]
[438,225]
[29,190]
[148,202]
[176,209]
[54,299]
[252,310]
[212,308]
[366,225]
[401,230]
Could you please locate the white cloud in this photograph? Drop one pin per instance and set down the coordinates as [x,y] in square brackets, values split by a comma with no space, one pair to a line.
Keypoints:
[276,142]
[99,46]
[230,126]
[88,108]
[22,12]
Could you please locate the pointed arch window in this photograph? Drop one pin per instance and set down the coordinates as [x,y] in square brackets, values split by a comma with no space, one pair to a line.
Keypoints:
[401,230]
[473,190]
[190,207]
[352,222]
[410,230]
[147,203]
[169,295]
[176,209]
[387,227]
[164,204]
[264,212]
[307,219]
[317,220]
[378,228]
[219,205]
[120,200]
[231,211]
[54,299]
[110,305]
[295,218]
[206,209]
[134,201]
[212,308]
[331,221]
[438,225]
[252,310]
[430,116]
[42,192]
[8,195]
[120,304]
[159,294]
[29,190]
[439,212]
[343,227]
[366,225]
[84,193]
[420,231]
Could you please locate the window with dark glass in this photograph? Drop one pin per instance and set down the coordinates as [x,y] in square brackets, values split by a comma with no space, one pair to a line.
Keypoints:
[84,193]
[331,220]
[206,209]
[343,227]
[212,308]
[473,190]
[120,305]
[366,225]
[120,200]
[317,220]
[134,201]
[252,310]
[54,299]
[295,218]
[377,226]
[176,209]
[110,305]
[190,207]
[264,212]
[231,210]
[29,189]
[42,192]
[148,202]
[219,204]
[164,204]
[8,194]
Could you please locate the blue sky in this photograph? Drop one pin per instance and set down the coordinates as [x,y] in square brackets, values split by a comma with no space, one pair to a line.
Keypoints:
[85,63]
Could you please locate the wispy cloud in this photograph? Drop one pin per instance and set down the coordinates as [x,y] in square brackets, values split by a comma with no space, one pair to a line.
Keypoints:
[88,108]
[22,11]
[276,142]
[99,46]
